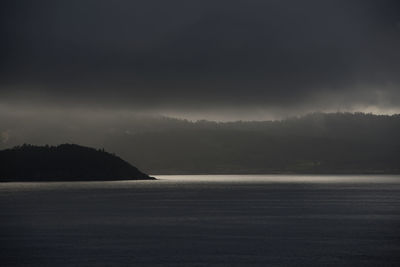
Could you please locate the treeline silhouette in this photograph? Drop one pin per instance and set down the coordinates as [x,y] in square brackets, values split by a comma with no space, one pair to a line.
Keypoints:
[316,143]
[65,162]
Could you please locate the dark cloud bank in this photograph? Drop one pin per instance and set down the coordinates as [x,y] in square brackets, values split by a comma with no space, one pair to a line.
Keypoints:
[100,73]
[201,59]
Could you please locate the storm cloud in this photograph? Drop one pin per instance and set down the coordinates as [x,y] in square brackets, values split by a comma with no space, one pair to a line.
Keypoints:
[201,59]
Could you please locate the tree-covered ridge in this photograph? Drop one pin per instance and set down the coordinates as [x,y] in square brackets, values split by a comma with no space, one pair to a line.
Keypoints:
[65,162]
[316,143]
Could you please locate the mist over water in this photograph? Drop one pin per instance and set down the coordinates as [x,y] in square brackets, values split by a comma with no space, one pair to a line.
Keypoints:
[201,87]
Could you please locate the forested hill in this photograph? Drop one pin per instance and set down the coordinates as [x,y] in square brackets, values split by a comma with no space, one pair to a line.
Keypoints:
[64,163]
[317,143]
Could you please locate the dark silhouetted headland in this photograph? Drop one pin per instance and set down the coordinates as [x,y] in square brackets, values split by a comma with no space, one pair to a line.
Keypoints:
[65,162]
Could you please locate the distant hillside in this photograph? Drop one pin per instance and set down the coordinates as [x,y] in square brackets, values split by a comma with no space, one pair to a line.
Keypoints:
[316,143]
[64,163]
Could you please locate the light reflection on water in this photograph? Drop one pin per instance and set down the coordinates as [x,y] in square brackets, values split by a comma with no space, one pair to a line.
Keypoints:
[203,220]
[176,180]
[280,178]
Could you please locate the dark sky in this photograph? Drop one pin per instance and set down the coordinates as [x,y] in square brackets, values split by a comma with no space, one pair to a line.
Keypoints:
[200,59]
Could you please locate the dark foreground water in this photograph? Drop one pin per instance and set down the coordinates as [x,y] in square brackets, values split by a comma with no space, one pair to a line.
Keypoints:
[203,221]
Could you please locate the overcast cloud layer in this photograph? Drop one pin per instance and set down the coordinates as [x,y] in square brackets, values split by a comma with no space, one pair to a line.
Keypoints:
[201,59]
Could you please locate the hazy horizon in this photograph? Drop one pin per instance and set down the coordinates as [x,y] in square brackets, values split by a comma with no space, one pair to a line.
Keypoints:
[213,60]
[290,107]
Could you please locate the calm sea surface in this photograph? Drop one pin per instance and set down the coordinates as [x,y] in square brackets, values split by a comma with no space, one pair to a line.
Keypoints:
[206,220]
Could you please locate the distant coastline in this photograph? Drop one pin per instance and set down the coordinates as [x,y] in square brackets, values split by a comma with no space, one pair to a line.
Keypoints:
[252,172]
[318,143]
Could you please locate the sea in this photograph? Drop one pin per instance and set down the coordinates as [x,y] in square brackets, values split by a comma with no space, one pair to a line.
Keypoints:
[203,220]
